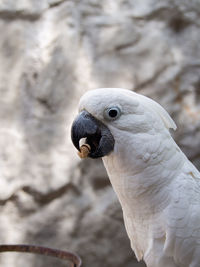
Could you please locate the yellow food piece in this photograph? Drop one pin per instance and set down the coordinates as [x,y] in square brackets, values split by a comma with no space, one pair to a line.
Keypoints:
[84,151]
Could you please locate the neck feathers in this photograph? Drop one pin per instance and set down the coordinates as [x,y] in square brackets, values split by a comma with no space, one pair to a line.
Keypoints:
[143,178]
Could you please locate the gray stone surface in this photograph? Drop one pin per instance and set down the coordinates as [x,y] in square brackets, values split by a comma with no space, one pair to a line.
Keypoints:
[51,52]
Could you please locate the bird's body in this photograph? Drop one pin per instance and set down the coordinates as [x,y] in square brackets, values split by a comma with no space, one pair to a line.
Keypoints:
[161,211]
[157,186]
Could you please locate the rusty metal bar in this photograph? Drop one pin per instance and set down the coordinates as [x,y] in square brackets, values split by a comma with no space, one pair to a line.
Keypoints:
[60,254]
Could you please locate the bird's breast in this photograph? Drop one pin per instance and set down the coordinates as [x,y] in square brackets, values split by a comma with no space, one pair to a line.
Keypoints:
[141,193]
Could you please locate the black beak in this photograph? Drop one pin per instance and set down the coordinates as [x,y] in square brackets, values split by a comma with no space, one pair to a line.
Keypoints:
[97,135]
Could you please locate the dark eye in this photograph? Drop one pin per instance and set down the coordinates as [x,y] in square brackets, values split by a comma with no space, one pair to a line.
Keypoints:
[112,113]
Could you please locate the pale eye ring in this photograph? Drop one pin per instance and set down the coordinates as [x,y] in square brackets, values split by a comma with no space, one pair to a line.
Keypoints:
[112,113]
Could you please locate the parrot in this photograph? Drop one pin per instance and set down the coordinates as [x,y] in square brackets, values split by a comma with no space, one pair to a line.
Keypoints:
[157,186]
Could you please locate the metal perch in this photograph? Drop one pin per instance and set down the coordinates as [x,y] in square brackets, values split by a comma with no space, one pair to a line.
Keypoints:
[60,254]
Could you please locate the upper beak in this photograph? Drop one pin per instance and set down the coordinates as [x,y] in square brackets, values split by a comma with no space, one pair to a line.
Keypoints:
[97,135]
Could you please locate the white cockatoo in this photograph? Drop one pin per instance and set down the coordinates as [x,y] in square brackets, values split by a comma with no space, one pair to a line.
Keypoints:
[157,186]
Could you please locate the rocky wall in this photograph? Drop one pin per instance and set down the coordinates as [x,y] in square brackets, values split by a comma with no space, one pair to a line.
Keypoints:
[51,52]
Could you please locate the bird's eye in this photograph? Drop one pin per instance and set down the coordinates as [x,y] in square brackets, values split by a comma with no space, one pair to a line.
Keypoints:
[112,113]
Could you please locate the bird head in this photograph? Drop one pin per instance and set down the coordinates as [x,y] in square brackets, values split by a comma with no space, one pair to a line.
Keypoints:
[109,117]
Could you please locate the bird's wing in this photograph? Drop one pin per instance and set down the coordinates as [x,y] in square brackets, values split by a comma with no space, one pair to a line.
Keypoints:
[133,237]
[183,218]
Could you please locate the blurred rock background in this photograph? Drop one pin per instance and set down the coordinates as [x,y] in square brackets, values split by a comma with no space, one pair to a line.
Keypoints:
[51,52]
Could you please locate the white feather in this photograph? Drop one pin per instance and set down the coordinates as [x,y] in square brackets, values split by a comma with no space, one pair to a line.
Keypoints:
[157,186]
[168,122]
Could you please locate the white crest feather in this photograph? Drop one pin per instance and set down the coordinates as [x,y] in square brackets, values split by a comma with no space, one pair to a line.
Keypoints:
[167,120]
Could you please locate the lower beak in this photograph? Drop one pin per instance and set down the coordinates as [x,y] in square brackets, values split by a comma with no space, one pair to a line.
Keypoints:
[97,135]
